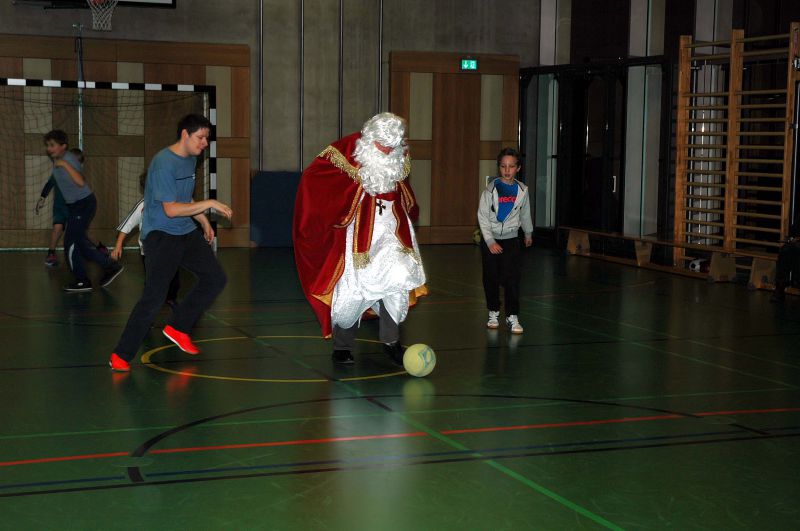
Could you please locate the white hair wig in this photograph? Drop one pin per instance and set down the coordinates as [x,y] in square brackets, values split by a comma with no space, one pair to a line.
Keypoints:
[379,170]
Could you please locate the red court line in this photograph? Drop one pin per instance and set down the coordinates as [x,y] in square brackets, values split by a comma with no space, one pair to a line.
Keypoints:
[288,443]
[560,424]
[394,435]
[738,411]
[64,458]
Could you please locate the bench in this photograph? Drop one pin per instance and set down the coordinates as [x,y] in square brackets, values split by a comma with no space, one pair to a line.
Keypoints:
[722,268]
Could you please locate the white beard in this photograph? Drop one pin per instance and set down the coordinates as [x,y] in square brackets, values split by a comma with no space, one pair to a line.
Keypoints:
[378,171]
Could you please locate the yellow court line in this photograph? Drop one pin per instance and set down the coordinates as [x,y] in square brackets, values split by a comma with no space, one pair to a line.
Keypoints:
[146,360]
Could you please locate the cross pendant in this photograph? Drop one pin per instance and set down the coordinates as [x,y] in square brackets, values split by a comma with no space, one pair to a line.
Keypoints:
[381,207]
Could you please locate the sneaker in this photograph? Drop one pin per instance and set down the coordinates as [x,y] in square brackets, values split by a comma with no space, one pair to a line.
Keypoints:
[118,364]
[183,341]
[51,260]
[494,320]
[342,356]
[513,323]
[395,352]
[112,272]
[79,285]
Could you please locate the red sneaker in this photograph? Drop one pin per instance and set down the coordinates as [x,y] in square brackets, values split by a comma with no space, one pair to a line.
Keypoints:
[183,341]
[118,364]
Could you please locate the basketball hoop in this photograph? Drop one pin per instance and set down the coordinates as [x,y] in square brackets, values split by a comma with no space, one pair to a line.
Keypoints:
[102,10]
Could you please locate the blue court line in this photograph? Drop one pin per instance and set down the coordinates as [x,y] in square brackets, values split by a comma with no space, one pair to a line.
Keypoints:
[490,460]
[380,459]
[386,458]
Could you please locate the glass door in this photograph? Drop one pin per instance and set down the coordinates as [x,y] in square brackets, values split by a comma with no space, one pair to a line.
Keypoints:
[591,145]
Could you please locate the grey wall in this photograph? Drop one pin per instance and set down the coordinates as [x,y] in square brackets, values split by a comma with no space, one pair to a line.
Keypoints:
[478,26]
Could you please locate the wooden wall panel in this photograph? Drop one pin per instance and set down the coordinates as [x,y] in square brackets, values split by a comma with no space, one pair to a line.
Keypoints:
[114,145]
[450,63]
[240,103]
[456,138]
[510,110]
[65,113]
[489,149]
[183,53]
[42,47]
[12,172]
[101,174]
[92,70]
[11,67]
[233,147]
[420,149]
[240,190]
[172,73]
[400,101]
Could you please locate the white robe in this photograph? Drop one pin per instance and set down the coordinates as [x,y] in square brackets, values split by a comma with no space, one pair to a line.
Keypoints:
[392,271]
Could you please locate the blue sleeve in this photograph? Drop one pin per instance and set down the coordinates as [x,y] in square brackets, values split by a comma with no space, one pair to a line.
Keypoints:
[165,189]
[51,182]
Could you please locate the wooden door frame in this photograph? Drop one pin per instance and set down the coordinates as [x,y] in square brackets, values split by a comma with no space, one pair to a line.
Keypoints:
[402,65]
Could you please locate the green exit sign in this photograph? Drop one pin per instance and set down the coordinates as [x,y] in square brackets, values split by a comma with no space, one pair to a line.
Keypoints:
[469,64]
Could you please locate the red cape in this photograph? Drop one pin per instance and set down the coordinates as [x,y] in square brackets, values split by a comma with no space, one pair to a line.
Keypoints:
[326,202]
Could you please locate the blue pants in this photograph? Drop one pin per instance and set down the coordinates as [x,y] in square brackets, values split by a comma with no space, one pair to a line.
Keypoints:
[77,246]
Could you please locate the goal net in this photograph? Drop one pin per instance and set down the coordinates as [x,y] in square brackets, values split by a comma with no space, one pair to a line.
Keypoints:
[119,128]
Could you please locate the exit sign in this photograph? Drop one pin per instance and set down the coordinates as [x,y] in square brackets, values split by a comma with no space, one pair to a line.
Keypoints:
[469,64]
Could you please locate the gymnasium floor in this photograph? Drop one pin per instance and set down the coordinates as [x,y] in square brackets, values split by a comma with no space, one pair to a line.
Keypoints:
[634,400]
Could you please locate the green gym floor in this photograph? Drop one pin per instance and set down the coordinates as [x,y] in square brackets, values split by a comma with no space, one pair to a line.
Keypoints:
[634,400]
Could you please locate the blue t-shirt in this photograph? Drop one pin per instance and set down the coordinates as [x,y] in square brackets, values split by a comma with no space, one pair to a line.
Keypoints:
[507,194]
[71,191]
[170,178]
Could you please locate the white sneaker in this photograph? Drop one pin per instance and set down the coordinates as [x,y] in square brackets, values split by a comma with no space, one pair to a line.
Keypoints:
[493,321]
[513,323]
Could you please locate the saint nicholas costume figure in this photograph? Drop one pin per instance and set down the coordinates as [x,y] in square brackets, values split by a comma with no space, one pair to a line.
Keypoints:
[354,244]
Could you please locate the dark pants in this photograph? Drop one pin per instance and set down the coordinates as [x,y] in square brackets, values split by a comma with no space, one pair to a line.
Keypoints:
[345,338]
[77,246]
[502,269]
[788,263]
[174,285]
[164,254]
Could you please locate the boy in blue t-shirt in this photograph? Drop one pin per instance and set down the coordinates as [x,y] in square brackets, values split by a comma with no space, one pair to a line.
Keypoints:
[172,240]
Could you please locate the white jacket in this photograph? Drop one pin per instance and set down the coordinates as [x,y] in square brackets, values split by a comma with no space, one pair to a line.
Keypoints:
[520,215]
[134,221]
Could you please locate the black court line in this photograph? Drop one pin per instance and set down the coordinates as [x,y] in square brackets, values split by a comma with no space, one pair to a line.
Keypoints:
[378,458]
[384,466]
[136,476]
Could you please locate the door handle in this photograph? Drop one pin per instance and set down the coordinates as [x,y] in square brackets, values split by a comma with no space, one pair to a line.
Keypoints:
[613,184]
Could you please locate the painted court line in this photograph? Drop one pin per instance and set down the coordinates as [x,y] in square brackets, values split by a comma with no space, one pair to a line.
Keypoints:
[424,432]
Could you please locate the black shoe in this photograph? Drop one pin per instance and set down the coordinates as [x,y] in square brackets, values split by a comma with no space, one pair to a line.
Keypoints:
[79,285]
[343,357]
[112,272]
[395,352]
